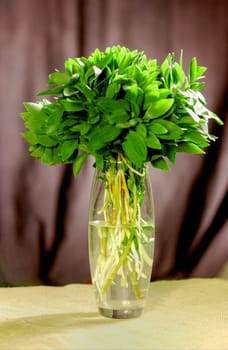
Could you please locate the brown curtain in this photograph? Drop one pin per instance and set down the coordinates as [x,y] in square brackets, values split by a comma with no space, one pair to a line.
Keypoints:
[43,210]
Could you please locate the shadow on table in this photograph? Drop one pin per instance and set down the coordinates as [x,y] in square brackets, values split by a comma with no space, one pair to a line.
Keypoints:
[51,323]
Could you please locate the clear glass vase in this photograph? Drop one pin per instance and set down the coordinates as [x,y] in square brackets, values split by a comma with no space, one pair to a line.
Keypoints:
[121,239]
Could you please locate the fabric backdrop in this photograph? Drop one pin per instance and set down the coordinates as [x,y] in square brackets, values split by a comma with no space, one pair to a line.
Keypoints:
[43,210]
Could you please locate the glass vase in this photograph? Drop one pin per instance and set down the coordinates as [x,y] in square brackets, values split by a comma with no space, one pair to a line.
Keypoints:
[121,239]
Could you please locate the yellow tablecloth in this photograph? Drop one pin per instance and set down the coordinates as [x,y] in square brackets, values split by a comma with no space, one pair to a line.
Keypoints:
[185,314]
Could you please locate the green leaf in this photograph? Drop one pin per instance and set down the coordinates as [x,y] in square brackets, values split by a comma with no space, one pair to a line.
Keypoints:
[193,69]
[194,116]
[189,147]
[35,117]
[69,91]
[116,111]
[30,137]
[36,151]
[135,149]
[54,91]
[200,71]
[174,131]
[59,78]
[72,106]
[159,108]
[196,137]
[93,116]
[100,136]
[215,117]
[76,128]
[140,98]
[197,86]
[67,149]
[35,109]
[108,105]
[187,122]
[164,93]
[151,94]
[178,75]
[56,155]
[135,108]
[152,141]
[171,154]
[25,115]
[78,163]
[118,116]
[196,73]
[54,120]
[165,70]
[99,162]
[47,156]
[157,128]
[141,130]
[86,91]
[46,140]
[131,91]
[84,128]
[131,96]
[161,164]
[112,90]
[72,67]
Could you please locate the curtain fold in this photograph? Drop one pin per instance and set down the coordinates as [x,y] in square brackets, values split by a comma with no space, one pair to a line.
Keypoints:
[44,210]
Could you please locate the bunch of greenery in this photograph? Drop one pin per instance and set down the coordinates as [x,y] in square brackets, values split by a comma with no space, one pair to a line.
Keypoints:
[118,102]
[126,111]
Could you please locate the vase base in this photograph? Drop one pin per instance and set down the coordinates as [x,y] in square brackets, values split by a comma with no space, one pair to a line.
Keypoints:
[120,314]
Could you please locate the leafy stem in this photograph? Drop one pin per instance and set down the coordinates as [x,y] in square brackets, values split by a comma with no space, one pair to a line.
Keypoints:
[123,235]
[112,275]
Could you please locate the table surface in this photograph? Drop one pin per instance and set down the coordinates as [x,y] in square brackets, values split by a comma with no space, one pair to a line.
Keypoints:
[184,314]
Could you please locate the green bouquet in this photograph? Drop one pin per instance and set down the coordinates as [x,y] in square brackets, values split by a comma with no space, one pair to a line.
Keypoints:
[119,102]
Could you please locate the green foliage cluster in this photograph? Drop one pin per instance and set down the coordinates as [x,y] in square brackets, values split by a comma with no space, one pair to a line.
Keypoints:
[119,102]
